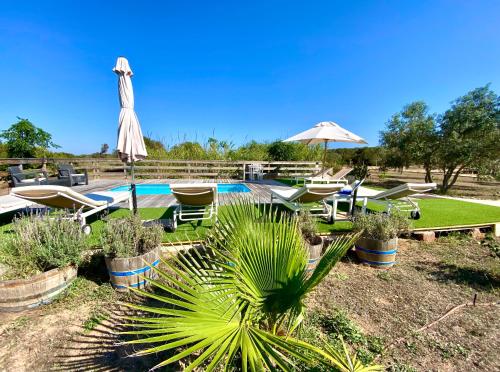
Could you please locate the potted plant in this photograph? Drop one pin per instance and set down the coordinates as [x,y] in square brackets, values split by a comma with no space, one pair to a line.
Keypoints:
[39,260]
[378,243]
[314,242]
[130,250]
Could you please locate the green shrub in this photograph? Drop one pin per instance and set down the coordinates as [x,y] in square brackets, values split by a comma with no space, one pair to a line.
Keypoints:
[308,227]
[39,243]
[127,237]
[381,226]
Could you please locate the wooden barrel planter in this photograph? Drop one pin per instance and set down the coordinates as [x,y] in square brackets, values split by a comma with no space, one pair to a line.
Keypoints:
[131,271]
[23,294]
[315,251]
[380,253]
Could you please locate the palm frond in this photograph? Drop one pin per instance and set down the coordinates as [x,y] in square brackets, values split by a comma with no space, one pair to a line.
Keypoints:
[345,361]
[229,303]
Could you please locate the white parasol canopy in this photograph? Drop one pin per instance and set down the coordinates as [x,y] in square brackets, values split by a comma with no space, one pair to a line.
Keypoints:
[326,131]
[130,145]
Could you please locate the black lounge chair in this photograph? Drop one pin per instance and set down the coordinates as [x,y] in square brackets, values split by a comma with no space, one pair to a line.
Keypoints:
[30,177]
[67,172]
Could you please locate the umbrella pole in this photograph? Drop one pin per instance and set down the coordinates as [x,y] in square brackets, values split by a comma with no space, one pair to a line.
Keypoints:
[324,157]
[132,187]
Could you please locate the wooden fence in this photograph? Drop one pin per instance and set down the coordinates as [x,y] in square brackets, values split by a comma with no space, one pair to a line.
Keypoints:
[160,169]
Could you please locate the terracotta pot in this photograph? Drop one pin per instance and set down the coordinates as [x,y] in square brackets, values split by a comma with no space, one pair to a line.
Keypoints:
[380,253]
[23,294]
[132,271]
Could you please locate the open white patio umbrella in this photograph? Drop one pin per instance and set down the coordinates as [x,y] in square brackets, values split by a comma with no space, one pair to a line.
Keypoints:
[324,132]
[130,145]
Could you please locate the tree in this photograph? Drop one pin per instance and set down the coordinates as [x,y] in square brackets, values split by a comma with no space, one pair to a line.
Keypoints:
[411,137]
[23,139]
[469,134]
[155,148]
[292,151]
[188,151]
[252,150]
[104,149]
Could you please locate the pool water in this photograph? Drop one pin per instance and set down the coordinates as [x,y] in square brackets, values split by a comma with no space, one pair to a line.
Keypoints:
[164,189]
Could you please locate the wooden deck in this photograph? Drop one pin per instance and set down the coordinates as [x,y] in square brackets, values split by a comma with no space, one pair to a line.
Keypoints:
[259,191]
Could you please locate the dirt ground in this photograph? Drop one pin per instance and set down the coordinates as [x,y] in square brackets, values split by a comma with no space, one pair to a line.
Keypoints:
[428,280]
[77,332]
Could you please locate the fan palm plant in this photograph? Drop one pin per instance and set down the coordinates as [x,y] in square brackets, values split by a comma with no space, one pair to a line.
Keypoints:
[239,300]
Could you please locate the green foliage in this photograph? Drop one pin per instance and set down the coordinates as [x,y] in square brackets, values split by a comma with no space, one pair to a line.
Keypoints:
[187,151]
[370,156]
[332,328]
[96,317]
[23,138]
[39,243]
[469,134]
[233,303]
[493,244]
[345,361]
[155,148]
[291,151]
[251,151]
[3,150]
[466,136]
[308,227]
[411,137]
[381,226]
[127,237]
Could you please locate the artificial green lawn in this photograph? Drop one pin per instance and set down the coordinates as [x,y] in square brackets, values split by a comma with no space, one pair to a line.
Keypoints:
[436,212]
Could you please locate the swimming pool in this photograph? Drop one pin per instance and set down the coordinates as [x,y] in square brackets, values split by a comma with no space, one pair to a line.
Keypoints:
[164,188]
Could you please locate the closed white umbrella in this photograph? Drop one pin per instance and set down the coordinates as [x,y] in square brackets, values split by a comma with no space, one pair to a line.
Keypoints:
[324,132]
[130,145]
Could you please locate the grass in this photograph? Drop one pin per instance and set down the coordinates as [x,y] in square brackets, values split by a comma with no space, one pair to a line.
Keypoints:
[435,212]
[440,212]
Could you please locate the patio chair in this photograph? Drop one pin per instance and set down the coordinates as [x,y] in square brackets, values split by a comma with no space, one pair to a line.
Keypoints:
[255,172]
[66,171]
[196,202]
[83,205]
[29,177]
[325,176]
[399,198]
[307,198]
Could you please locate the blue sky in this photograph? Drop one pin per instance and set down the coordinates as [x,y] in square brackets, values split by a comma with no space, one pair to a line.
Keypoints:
[238,70]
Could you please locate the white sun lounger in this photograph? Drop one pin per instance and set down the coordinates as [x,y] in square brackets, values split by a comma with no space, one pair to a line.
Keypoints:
[295,199]
[325,177]
[196,201]
[399,198]
[346,195]
[62,197]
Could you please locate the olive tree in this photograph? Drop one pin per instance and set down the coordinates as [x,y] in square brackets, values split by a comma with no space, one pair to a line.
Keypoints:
[411,137]
[469,134]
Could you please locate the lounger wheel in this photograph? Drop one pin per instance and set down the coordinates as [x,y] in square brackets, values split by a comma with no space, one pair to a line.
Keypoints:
[86,229]
[415,215]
